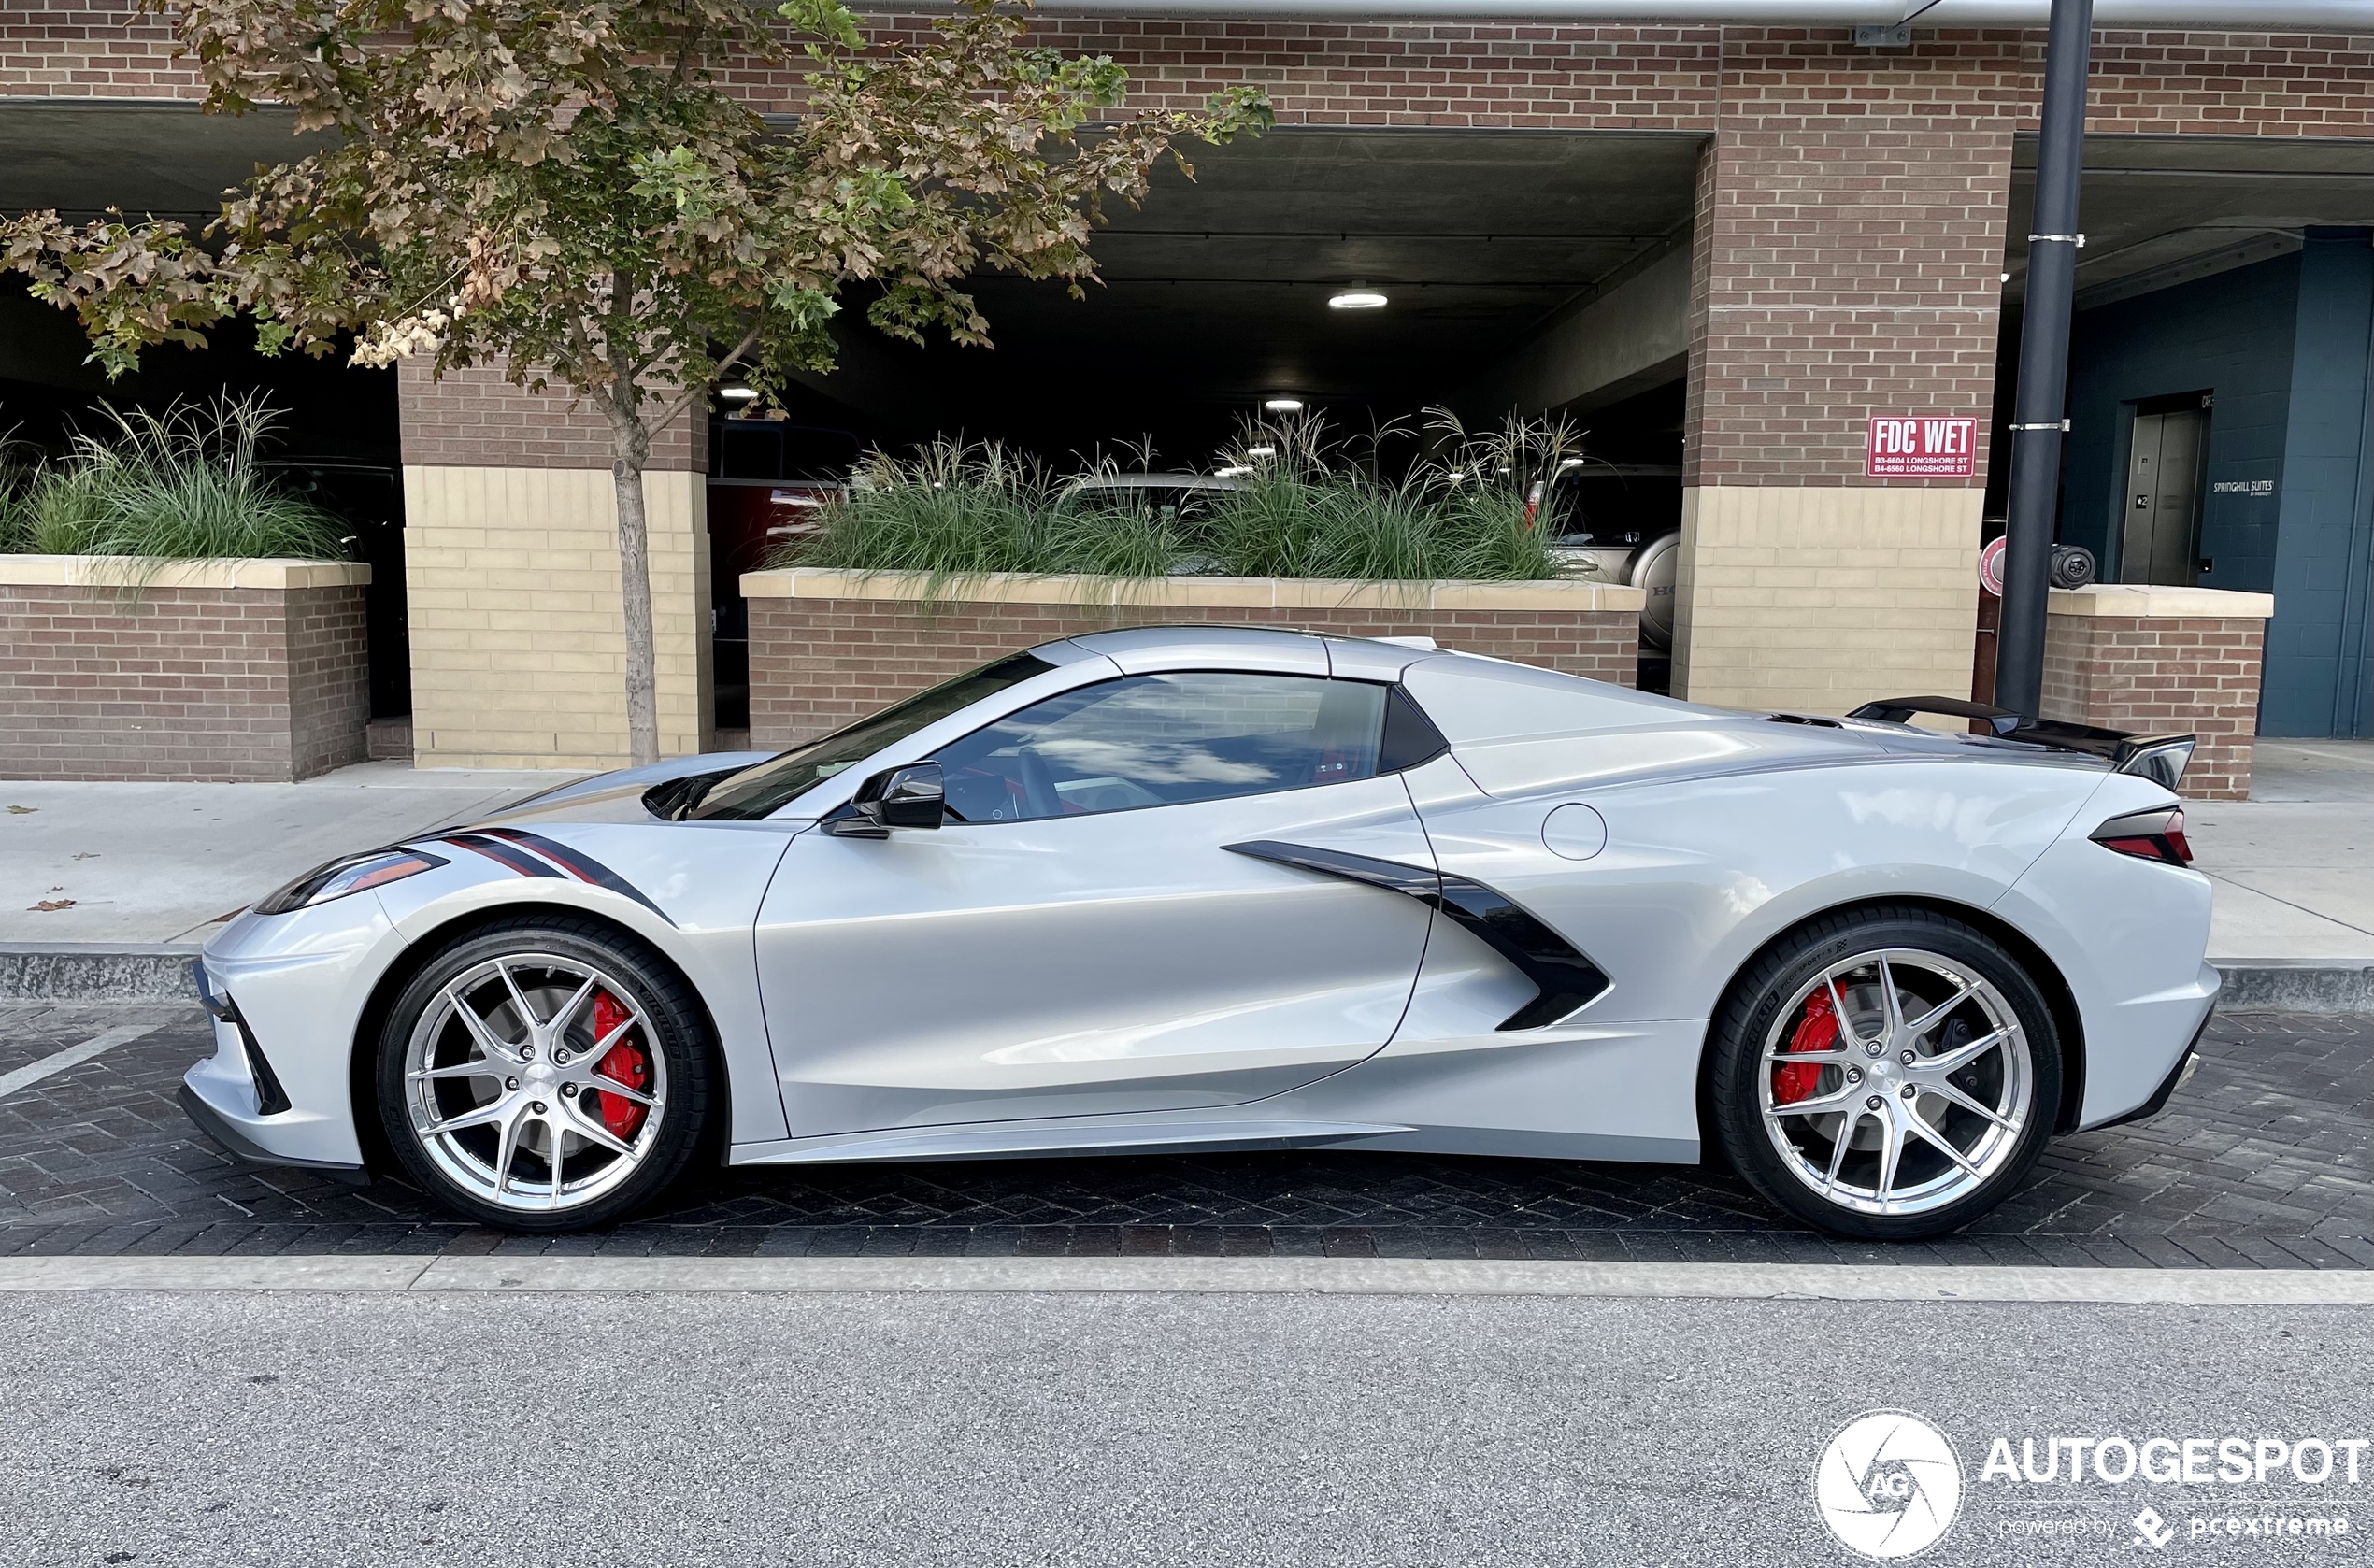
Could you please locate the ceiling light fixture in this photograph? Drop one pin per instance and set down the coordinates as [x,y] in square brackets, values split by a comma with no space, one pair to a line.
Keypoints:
[1360,296]
[1261,451]
[1234,470]
[1570,463]
[738,394]
[1283,406]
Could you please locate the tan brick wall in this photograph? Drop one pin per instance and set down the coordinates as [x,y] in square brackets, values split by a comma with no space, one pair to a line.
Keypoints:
[817,664]
[2161,675]
[1817,599]
[237,684]
[519,651]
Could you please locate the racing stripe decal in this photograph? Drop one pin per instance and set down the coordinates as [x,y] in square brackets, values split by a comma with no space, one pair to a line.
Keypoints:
[1563,975]
[576,863]
[502,854]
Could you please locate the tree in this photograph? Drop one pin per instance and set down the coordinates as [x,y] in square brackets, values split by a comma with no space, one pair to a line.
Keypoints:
[564,187]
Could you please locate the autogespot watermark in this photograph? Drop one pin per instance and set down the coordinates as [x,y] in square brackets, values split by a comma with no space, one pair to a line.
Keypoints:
[1889,1484]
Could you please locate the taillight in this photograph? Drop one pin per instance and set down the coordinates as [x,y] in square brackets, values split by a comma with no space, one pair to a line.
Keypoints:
[2152,835]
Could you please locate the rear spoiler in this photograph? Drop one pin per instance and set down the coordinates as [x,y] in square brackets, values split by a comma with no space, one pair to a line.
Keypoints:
[2158,758]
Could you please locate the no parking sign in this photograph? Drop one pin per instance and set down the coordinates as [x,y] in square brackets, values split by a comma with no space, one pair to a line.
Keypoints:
[1991,567]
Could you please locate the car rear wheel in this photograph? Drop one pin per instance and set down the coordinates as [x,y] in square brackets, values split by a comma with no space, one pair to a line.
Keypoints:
[1886,1075]
[544,1074]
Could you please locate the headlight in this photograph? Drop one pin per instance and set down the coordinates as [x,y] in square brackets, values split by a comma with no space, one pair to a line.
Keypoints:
[350,875]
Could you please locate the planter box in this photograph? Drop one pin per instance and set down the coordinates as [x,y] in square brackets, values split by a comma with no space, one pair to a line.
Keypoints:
[212,670]
[2162,661]
[828,647]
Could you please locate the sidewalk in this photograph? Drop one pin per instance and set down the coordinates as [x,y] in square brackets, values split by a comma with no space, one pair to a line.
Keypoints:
[133,865]
[139,863]
[2295,863]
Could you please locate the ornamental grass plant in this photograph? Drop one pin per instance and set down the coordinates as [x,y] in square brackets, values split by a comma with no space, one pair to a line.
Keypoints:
[1296,505]
[183,484]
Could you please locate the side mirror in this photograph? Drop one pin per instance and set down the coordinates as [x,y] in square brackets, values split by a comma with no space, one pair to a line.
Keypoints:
[913,796]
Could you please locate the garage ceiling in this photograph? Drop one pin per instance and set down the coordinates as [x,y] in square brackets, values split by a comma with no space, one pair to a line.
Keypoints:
[1215,292]
[2161,211]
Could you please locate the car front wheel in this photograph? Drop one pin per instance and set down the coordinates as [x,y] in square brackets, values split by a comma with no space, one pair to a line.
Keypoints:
[1886,1075]
[544,1074]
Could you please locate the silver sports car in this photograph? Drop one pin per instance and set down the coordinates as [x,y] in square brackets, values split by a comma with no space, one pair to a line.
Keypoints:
[1210,888]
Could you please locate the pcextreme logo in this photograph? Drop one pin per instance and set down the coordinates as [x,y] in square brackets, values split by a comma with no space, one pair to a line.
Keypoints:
[1888,1485]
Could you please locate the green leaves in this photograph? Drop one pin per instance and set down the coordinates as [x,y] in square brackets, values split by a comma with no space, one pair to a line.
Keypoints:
[827,19]
[678,176]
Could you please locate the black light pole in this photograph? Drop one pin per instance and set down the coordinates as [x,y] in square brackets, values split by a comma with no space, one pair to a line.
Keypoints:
[2037,411]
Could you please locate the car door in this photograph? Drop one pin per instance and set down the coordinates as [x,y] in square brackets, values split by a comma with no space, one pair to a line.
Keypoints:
[1078,937]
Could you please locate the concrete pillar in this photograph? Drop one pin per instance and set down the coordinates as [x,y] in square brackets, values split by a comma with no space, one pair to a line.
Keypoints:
[1847,259]
[512,571]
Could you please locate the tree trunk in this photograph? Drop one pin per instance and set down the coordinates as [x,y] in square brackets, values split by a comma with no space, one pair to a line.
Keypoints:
[630,446]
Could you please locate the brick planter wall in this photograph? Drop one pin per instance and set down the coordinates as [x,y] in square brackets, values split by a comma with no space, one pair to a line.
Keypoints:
[828,647]
[248,671]
[2162,661]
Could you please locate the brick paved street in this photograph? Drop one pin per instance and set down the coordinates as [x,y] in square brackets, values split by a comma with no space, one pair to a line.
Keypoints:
[2263,1160]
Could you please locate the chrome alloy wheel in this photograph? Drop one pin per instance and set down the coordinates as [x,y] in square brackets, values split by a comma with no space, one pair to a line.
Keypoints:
[518,1099]
[1897,1082]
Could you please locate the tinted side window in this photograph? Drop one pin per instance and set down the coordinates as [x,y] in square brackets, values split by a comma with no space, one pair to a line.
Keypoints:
[1165,740]
[761,790]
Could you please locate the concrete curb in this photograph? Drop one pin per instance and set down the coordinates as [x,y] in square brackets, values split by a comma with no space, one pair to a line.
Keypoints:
[1358,1276]
[159,972]
[2271,985]
[96,972]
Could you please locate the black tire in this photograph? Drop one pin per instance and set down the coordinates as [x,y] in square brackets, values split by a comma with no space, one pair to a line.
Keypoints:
[1751,1010]
[675,1026]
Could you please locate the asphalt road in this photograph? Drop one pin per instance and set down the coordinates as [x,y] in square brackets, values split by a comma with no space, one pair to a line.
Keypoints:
[1073,1429]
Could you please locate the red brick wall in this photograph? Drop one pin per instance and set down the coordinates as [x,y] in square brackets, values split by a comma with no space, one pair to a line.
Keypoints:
[248,684]
[817,664]
[1849,237]
[2163,677]
[476,419]
[1508,72]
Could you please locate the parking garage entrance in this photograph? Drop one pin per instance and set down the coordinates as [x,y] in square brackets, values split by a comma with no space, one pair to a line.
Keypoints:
[1359,277]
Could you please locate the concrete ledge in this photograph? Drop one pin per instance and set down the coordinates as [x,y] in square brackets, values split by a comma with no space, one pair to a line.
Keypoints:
[1357,1277]
[2267,985]
[133,571]
[96,972]
[1264,593]
[2150,602]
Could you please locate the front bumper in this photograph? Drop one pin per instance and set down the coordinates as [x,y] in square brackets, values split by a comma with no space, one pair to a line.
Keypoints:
[226,1130]
[285,992]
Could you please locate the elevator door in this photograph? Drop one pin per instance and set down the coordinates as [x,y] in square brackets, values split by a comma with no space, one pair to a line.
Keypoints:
[2162,542]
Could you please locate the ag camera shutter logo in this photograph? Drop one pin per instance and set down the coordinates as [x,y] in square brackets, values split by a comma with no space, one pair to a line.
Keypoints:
[1888,1485]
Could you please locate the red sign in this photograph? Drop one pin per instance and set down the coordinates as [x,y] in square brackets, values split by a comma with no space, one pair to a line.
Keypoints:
[1991,567]
[1918,446]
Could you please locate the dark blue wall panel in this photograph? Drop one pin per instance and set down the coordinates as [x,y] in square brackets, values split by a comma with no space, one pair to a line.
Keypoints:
[2319,682]
[2232,335]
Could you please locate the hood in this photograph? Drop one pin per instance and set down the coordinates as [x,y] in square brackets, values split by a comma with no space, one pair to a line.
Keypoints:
[618,796]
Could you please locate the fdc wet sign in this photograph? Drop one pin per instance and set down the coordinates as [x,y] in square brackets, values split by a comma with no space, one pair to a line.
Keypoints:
[1918,446]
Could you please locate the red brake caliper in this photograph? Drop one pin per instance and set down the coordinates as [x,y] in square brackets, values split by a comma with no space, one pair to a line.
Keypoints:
[1817,1031]
[626,1064]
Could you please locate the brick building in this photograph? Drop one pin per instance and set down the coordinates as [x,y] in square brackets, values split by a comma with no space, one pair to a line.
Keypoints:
[1722,249]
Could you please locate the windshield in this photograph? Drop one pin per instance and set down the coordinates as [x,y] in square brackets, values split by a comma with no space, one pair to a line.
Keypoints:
[764,790]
